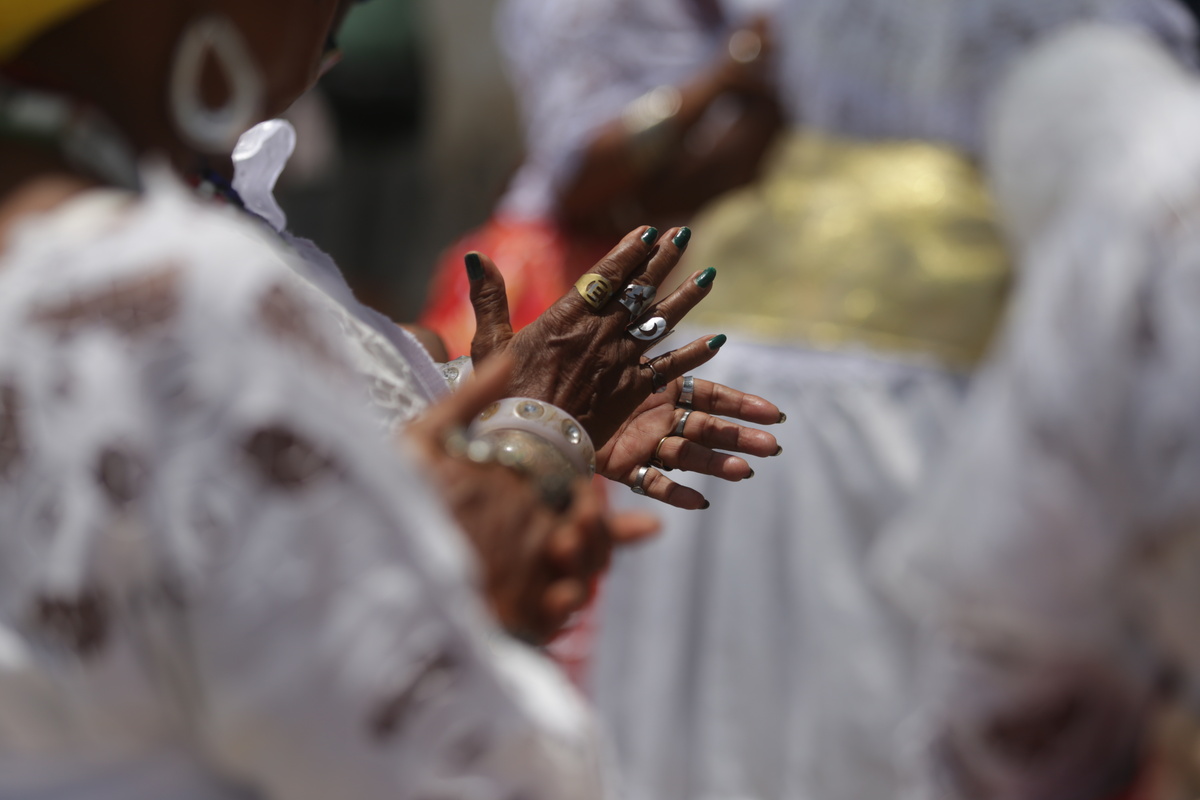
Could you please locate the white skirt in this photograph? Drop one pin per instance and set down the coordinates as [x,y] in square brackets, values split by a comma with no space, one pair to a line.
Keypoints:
[746,653]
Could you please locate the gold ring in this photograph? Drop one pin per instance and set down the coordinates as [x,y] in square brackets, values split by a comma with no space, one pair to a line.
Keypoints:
[656,460]
[596,290]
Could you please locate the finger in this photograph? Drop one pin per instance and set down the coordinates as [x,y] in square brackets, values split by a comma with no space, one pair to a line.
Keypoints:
[709,431]
[489,299]
[486,386]
[675,306]
[623,261]
[631,527]
[716,398]
[675,364]
[691,457]
[578,542]
[663,258]
[658,486]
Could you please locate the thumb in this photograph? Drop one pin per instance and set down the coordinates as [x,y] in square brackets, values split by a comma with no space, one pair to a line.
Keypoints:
[489,299]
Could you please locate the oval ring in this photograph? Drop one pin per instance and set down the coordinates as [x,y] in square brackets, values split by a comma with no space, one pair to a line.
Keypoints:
[656,460]
[651,330]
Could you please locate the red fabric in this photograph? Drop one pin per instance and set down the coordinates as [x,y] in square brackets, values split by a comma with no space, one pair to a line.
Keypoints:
[539,263]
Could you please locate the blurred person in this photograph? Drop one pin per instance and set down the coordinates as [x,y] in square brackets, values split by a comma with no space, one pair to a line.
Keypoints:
[632,110]
[231,556]
[749,653]
[1052,559]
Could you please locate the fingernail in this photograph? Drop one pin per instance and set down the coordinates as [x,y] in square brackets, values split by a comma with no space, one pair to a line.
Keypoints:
[650,236]
[751,475]
[474,267]
[779,452]
[707,505]
[782,418]
[717,342]
[706,278]
[682,238]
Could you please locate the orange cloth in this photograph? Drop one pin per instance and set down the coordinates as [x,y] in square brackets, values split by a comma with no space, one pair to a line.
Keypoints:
[539,261]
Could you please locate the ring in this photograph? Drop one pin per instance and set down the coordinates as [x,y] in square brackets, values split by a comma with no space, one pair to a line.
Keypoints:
[637,298]
[651,330]
[688,393]
[656,460]
[683,422]
[657,379]
[639,482]
[596,290]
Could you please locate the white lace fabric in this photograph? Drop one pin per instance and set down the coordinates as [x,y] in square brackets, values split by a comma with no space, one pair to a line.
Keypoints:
[925,69]
[211,555]
[1053,557]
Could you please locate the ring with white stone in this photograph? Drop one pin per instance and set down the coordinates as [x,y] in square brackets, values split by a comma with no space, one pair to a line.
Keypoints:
[639,483]
[688,393]
[520,427]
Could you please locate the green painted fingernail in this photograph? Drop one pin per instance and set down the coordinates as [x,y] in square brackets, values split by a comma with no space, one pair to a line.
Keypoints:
[474,267]
[650,236]
[751,475]
[717,342]
[705,279]
[779,452]
[682,238]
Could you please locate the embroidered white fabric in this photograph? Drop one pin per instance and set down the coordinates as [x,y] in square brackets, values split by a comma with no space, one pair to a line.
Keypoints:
[576,64]
[924,69]
[217,578]
[1053,557]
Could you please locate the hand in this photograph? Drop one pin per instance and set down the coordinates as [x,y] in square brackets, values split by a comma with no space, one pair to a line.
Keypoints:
[582,360]
[636,442]
[537,565]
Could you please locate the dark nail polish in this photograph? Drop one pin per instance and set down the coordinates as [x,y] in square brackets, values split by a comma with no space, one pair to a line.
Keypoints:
[707,505]
[717,342]
[779,452]
[474,267]
[650,236]
[705,279]
[751,475]
[782,418]
[682,238]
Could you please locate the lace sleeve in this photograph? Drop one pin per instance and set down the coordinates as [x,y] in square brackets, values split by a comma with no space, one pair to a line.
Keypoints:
[230,555]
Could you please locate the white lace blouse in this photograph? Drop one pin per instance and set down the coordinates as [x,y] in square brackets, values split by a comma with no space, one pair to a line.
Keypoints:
[1054,559]
[925,69]
[218,577]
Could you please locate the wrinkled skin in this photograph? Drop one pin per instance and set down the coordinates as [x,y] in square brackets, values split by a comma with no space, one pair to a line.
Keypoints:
[583,361]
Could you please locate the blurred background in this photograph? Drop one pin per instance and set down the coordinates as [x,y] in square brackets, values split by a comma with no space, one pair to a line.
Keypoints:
[403,147]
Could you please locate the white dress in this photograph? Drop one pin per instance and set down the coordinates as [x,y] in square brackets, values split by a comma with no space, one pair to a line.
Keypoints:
[1054,557]
[219,576]
[748,654]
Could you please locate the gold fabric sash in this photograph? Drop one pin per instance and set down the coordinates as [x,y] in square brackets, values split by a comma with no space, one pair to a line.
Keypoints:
[888,245]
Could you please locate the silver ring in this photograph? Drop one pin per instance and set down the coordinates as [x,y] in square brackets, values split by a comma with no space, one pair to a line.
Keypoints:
[651,330]
[657,379]
[639,482]
[637,298]
[688,393]
[683,422]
